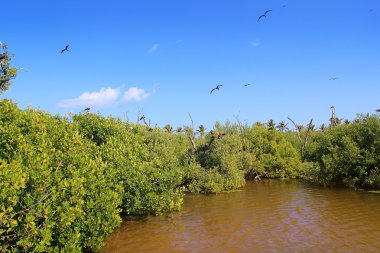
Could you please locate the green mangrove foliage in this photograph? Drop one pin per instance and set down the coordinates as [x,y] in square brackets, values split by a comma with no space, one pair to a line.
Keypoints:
[57,195]
[347,154]
[7,73]
[232,153]
[66,182]
[145,160]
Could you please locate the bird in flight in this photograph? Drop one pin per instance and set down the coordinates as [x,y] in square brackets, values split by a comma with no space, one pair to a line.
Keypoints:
[333,78]
[216,88]
[248,84]
[264,15]
[65,49]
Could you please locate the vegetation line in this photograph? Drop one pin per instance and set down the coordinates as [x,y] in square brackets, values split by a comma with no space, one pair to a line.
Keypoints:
[65,183]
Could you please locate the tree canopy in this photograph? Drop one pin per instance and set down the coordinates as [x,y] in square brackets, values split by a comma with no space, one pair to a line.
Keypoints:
[7,73]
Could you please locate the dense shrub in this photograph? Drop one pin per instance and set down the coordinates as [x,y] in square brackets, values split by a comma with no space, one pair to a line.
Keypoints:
[276,157]
[65,181]
[56,193]
[347,154]
[145,161]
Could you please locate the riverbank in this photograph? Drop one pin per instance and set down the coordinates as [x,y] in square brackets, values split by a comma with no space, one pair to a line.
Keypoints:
[66,182]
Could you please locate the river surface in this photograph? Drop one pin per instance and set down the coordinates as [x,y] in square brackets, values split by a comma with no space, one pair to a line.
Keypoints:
[277,216]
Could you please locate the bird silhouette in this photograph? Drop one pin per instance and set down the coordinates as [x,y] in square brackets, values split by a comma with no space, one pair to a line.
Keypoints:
[220,135]
[216,88]
[264,15]
[65,49]
[86,110]
[333,78]
[248,84]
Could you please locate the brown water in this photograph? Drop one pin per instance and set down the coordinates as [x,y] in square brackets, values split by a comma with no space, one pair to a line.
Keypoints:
[278,216]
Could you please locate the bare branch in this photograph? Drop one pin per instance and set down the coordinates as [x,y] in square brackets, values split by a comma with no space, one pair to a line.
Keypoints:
[191,135]
[295,126]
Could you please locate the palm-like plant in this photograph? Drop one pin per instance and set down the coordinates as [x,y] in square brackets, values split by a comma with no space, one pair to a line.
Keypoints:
[168,128]
[271,125]
[282,126]
[179,130]
[202,131]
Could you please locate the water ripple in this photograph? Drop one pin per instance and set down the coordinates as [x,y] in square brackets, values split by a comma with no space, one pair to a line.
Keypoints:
[279,216]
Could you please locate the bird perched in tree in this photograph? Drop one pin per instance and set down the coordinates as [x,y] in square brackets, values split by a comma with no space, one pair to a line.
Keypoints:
[87,110]
[65,49]
[264,15]
[216,88]
[220,135]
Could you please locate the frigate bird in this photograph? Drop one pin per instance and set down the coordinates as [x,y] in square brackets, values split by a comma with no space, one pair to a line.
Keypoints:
[220,135]
[65,49]
[264,15]
[216,88]
[86,110]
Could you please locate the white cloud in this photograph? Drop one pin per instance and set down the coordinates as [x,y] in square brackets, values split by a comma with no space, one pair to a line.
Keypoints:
[106,97]
[154,48]
[135,94]
[103,98]
[255,43]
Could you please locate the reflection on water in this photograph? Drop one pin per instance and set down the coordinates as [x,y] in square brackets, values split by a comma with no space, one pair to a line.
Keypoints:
[278,216]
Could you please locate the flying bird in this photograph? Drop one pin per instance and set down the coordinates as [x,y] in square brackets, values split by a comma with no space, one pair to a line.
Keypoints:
[216,88]
[333,78]
[248,84]
[65,49]
[264,15]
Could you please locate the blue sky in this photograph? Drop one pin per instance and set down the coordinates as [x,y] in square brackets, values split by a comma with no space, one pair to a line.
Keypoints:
[162,58]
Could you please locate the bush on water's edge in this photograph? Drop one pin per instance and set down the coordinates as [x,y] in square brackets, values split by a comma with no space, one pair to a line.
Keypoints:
[65,182]
[347,154]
